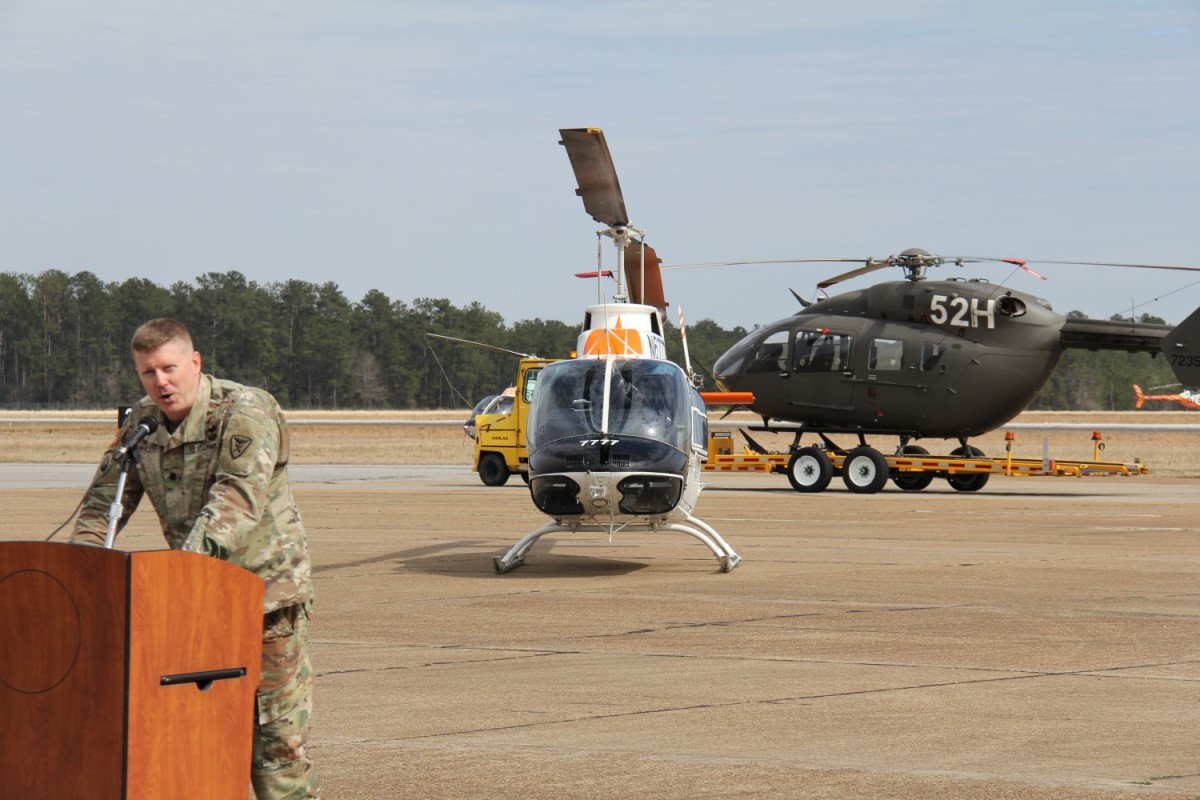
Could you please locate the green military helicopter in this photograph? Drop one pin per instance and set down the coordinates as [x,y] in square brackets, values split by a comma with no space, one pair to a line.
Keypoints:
[919,359]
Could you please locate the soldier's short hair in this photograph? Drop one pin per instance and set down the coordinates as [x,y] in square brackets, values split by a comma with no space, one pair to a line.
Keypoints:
[157,332]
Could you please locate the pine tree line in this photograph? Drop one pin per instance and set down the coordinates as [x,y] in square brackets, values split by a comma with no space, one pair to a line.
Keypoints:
[64,343]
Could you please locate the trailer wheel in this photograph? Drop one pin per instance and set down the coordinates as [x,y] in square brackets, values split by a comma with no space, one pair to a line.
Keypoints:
[492,469]
[865,470]
[913,481]
[972,482]
[809,470]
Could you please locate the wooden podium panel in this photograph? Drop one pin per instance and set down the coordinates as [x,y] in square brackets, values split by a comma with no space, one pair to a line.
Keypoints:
[126,675]
[62,670]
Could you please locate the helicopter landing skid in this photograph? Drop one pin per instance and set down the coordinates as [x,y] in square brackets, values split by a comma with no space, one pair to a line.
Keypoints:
[692,526]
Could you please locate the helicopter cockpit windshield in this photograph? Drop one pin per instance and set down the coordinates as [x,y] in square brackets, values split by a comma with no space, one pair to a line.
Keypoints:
[613,397]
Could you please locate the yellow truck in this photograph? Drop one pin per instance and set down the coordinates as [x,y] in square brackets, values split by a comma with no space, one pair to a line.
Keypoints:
[499,429]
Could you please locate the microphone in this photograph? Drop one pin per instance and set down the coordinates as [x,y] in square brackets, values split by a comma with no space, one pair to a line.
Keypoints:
[145,427]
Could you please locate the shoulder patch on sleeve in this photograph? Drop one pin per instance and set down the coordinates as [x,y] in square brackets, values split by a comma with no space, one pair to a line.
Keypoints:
[247,445]
[238,445]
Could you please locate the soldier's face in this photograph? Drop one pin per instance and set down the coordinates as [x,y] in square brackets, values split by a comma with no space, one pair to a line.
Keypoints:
[171,376]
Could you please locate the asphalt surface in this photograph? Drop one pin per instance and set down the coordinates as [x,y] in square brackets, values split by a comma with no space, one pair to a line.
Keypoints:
[1035,640]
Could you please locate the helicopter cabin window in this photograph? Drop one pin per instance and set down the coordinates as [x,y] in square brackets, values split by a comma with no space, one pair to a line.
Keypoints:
[634,398]
[699,425]
[649,399]
[771,354]
[821,351]
[931,354]
[887,355]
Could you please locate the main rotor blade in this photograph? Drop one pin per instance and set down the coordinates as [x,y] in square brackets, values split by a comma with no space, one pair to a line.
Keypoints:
[481,345]
[1022,261]
[870,261]
[871,266]
[708,264]
[595,174]
[1108,264]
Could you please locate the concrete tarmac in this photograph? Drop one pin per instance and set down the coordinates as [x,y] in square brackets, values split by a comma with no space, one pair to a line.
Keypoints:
[1035,640]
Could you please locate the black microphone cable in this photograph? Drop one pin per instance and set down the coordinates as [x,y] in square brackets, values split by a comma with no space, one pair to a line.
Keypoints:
[145,426]
[79,505]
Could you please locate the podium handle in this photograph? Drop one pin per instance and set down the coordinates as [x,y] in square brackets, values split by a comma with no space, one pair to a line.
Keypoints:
[203,680]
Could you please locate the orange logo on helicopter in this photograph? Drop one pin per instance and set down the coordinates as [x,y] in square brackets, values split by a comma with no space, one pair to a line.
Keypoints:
[613,341]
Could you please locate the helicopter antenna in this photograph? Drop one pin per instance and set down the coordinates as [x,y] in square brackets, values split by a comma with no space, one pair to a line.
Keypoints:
[693,378]
[803,302]
[1161,296]
[599,272]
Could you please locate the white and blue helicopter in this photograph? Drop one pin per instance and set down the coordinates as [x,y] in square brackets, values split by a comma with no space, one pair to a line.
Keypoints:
[617,435]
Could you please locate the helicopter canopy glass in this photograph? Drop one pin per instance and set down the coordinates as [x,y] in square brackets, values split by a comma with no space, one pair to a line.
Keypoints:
[642,398]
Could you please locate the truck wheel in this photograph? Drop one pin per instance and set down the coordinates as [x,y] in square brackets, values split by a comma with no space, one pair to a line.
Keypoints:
[865,470]
[492,469]
[809,470]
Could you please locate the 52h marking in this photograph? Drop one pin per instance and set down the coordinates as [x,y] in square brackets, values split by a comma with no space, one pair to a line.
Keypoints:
[961,312]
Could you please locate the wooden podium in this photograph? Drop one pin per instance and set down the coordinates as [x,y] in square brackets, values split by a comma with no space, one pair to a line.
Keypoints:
[126,675]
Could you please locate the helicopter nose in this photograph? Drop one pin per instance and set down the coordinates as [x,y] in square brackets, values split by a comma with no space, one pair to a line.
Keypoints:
[729,365]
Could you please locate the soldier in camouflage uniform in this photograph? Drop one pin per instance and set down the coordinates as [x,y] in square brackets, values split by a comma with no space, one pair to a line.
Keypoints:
[216,472]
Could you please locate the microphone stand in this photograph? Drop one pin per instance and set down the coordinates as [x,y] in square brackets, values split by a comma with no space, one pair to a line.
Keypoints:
[117,508]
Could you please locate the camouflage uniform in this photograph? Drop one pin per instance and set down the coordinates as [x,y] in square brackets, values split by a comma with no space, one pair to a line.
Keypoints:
[219,485]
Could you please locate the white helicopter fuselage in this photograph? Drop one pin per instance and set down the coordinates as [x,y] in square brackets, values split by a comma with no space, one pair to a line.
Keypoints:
[615,439]
[617,436]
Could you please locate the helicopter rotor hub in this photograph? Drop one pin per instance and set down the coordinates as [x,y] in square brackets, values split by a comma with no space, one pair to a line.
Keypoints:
[914,262]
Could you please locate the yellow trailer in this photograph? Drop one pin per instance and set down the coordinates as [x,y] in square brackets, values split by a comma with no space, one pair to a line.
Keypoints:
[865,470]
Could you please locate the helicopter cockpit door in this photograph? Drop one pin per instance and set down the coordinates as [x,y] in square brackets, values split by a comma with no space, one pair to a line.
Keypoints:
[821,369]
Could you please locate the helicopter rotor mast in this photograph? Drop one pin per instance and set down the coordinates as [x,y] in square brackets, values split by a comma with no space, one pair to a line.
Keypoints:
[623,236]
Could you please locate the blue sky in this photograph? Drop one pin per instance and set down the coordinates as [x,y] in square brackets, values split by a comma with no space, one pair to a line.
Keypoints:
[411,147]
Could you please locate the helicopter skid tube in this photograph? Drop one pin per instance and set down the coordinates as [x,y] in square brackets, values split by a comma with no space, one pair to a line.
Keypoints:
[694,527]
[707,534]
[515,557]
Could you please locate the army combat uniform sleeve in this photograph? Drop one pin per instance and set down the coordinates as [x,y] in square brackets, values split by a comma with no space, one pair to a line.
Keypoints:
[239,496]
[245,513]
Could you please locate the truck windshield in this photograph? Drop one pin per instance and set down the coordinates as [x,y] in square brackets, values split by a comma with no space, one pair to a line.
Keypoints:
[643,398]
